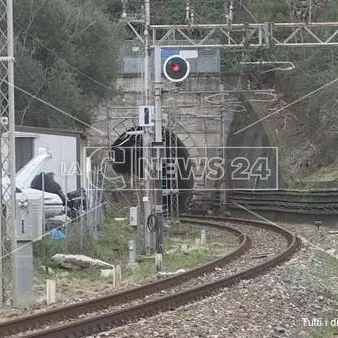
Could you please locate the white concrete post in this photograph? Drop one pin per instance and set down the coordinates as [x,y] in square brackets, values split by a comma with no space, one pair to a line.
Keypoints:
[50,291]
[159,262]
[109,273]
[132,255]
[203,237]
[118,276]
[197,243]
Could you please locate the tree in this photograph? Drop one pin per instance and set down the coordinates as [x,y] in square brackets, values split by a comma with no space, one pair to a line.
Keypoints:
[66,54]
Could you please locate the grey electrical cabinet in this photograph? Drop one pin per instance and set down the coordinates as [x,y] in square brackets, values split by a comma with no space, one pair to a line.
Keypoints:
[29,216]
[133,216]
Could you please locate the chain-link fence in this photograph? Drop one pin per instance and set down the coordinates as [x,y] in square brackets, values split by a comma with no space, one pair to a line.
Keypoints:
[75,236]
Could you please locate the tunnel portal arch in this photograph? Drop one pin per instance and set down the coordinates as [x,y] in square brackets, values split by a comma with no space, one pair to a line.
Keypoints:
[128,153]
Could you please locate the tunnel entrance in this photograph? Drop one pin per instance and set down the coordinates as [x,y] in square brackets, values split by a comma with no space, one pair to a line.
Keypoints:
[127,152]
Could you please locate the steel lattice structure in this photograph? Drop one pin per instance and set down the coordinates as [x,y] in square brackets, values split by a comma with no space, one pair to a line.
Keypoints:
[7,144]
[170,178]
[248,35]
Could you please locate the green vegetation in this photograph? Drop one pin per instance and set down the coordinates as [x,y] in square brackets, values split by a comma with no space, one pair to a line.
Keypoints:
[112,247]
[324,332]
[66,54]
[174,261]
[326,268]
[323,174]
[321,178]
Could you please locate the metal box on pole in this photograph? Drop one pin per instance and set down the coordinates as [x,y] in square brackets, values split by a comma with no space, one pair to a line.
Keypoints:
[133,216]
[146,116]
[29,216]
[29,227]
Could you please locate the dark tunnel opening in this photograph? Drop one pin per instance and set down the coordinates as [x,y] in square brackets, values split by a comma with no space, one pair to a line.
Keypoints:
[128,154]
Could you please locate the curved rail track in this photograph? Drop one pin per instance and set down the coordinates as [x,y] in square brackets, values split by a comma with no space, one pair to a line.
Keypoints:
[310,202]
[104,313]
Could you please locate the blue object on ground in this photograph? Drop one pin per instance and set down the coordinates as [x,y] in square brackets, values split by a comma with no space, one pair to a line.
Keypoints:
[57,234]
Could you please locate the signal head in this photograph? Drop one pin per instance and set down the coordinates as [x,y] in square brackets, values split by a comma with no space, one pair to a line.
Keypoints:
[176,68]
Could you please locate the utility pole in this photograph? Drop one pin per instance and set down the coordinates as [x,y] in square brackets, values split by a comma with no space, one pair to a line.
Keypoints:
[147,136]
[7,165]
[145,239]
[158,146]
[227,117]
[223,196]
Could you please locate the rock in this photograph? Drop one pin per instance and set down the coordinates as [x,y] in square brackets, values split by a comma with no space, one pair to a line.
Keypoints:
[162,273]
[280,329]
[184,248]
[108,273]
[78,261]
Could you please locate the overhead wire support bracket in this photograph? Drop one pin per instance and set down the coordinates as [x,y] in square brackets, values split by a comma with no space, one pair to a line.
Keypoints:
[248,35]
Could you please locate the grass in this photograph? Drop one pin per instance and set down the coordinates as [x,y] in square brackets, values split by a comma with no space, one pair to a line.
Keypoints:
[324,332]
[325,268]
[324,174]
[174,261]
[315,179]
[112,247]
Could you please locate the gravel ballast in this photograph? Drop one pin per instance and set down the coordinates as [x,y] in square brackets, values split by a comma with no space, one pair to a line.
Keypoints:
[71,289]
[294,300]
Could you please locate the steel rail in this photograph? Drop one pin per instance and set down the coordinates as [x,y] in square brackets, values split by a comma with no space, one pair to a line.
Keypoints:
[35,321]
[274,200]
[309,211]
[315,202]
[103,322]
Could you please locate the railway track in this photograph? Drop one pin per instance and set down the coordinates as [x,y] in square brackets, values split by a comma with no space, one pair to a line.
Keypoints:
[311,202]
[253,257]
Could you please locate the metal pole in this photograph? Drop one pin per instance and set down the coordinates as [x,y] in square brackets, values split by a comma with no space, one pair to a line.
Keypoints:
[227,117]
[310,11]
[158,98]
[2,224]
[223,152]
[11,136]
[43,200]
[146,48]
[159,143]
[109,143]
[147,135]
[224,157]
[81,220]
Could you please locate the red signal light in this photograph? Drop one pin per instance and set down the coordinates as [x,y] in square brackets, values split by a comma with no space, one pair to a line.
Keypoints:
[176,68]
